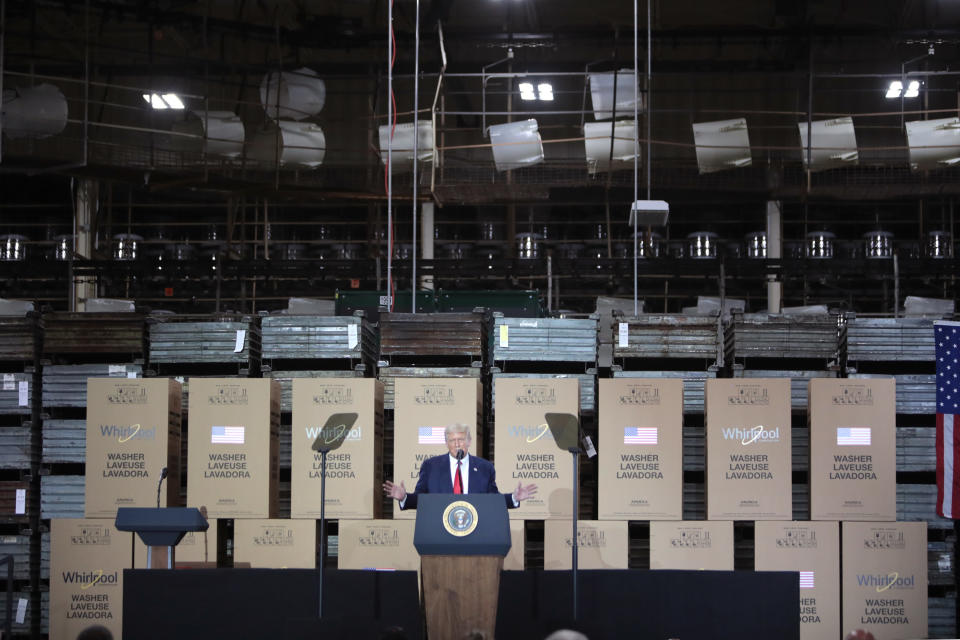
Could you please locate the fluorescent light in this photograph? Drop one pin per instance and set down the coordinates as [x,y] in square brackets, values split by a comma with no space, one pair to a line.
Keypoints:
[526,91]
[545,90]
[173,100]
[893,91]
[165,101]
[913,89]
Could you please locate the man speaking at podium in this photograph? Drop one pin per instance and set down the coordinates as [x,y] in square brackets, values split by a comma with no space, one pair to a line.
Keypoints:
[456,472]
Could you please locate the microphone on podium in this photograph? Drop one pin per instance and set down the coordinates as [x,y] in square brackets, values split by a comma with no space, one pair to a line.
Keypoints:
[163,475]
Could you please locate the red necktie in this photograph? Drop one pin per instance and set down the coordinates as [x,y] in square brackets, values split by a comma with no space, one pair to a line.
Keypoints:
[458,481]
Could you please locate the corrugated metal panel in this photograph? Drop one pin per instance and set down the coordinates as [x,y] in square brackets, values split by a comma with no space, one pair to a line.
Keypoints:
[17,338]
[286,444]
[433,334]
[799,382]
[545,339]
[178,341]
[14,447]
[940,565]
[693,384]
[387,375]
[918,502]
[285,378]
[296,337]
[23,629]
[942,617]
[669,336]
[85,333]
[916,449]
[64,441]
[62,497]
[916,394]
[66,385]
[764,335]
[10,393]
[19,548]
[588,385]
[890,339]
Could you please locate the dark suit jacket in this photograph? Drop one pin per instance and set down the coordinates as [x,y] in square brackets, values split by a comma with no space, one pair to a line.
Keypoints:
[435,478]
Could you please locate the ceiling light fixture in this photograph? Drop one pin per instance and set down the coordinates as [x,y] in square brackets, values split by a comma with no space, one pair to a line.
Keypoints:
[545,91]
[526,91]
[896,88]
[163,101]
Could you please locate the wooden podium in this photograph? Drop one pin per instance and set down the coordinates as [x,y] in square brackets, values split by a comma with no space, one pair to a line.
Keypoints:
[462,540]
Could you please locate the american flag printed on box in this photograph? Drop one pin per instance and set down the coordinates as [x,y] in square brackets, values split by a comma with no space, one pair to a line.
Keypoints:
[640,435]
[226,435]
[806,579]
[431,435]
[853,436]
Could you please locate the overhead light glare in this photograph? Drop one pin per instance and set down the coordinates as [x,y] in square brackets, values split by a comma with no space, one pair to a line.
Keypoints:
[913,89]
[545,91]
[893,91]
[165,101]
[526,91]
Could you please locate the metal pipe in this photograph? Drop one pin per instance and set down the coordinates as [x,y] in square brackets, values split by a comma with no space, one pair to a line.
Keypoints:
[416,155]
[389,167]
[483,85]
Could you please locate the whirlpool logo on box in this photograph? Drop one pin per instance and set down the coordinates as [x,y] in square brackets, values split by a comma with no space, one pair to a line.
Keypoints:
[751,435]
[87,579]
[892,581]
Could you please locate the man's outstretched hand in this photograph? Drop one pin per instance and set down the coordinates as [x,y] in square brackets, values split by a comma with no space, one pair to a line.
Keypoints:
[521,493]
[395,491]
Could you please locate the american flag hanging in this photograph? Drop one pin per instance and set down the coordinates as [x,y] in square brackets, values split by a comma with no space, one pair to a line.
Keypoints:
[946,337]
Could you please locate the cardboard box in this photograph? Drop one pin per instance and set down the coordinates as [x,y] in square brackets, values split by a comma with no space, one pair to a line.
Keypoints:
[641,453]
[514,560]
[423,407]
[813,549]
[197,549]
[691,544]
[276,544]
[601,544]
[377,544]
[525,449]
[748,462]
[853,449]
[323,407]
[233,437]
[87,559]
[133,432]
[885,578]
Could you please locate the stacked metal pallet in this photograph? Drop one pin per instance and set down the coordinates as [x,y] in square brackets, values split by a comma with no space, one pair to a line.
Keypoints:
[916,393]
[670,336]
[889,339]
[213,340]
[420,337]
[546,340]
[17,337]
[776,336]
[64,441]
[348,339]
[65,385]
[81,335]
[587,382]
